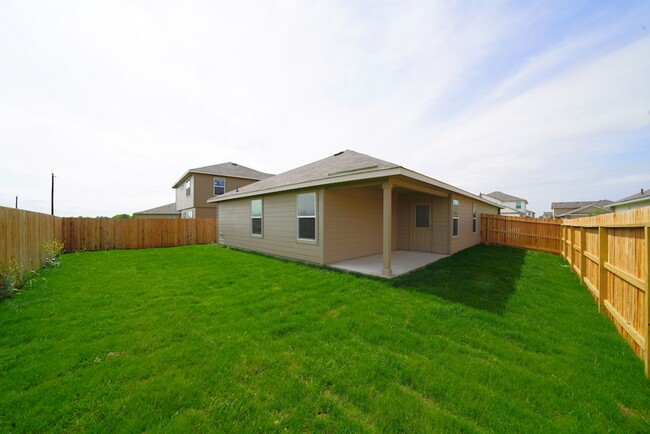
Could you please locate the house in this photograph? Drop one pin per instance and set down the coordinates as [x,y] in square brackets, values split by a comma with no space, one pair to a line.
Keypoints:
[196,186]
[574,210]
[162,212]
[347,206]
[512,205]
[635,201]
[547,215]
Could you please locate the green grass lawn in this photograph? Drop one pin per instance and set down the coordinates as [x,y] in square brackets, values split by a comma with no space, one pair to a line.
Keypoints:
[204,338]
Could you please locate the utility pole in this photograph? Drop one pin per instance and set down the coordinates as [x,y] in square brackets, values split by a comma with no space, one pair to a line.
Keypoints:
[52,193]
[16,202]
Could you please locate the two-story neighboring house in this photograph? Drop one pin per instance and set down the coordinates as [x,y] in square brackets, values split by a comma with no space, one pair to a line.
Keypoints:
[196,186]
[512,205]
[631,202]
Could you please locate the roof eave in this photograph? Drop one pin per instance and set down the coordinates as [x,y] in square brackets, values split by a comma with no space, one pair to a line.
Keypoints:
[200,172]
[627,202]
[373,174]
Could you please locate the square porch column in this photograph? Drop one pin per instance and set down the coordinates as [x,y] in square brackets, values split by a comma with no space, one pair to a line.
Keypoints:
[387,229]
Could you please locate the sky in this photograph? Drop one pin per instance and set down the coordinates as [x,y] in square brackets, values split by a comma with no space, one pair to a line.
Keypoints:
[544,100]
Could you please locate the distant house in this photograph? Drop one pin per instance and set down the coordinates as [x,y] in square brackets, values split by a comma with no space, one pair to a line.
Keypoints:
[512,205]
[350,205]
[573,210]
[162,212]
[547,215]
[635,201]
[196,186]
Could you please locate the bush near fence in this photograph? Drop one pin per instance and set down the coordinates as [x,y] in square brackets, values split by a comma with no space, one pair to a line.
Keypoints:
[610,253]
[23,233]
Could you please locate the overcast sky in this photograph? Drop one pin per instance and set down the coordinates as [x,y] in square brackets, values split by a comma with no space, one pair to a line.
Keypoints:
[549,101]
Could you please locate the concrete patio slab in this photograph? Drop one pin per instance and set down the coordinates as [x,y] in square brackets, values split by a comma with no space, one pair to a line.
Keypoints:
[403,261]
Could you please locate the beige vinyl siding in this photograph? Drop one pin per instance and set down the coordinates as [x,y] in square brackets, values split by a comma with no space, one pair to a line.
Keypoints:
[202,190]
[279,222]
[465,236]
[353,223]
[439,221]
[441,225]
[182,201]
[403,222]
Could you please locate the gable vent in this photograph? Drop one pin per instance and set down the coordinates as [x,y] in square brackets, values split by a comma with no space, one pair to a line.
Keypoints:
[338,153]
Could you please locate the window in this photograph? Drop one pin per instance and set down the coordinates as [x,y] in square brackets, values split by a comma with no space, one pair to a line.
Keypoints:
[518,205]
[256,217]
[219,186]
[455,221]
[307,216]
[188,188]
[474,218]
[421,216]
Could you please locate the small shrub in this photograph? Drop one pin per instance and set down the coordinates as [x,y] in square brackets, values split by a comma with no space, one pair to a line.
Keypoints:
[11,278]
[52,250]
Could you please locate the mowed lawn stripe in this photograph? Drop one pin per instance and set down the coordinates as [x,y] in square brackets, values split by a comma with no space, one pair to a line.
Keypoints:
[205,338]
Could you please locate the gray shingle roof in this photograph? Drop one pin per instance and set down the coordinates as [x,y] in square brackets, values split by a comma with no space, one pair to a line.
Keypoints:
[226,169]
[341,163]
[503,197]
[165,209]
[345,166]
[643,194]
[601,203]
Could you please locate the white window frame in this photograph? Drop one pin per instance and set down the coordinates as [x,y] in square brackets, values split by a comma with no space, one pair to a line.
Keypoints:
[188,188]
[455,213]
[518,204]
[474,222]
[314,216]
[261,217]
[214,187]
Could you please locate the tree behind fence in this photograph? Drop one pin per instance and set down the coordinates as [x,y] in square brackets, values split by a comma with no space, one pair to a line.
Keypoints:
[22,234]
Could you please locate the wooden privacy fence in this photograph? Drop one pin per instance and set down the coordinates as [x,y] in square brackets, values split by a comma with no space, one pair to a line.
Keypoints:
[526,233]
[22,234]
[108,234]
[610,254]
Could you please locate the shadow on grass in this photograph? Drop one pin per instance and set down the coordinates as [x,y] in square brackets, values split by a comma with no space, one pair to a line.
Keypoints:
[481,277]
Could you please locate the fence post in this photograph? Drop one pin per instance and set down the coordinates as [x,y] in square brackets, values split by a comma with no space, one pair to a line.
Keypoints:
[646,311]
[583,258]
[602,271]
[487,230]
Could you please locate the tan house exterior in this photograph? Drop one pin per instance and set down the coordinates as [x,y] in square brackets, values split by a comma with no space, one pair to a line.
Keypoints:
[347,206]
[196,186]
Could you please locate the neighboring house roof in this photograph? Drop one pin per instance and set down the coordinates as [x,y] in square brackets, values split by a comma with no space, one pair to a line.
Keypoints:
[503,197]
[639,197]
[345,166]
[561,205]
[230,169]
[165,209]
[587,209]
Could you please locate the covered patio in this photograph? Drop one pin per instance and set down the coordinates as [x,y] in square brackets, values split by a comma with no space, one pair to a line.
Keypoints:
[402,261]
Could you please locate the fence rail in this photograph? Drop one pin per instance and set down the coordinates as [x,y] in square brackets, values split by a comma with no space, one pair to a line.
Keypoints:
[610,253]
[22,234]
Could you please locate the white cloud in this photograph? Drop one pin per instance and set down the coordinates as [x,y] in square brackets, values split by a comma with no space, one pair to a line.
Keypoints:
[120,98]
